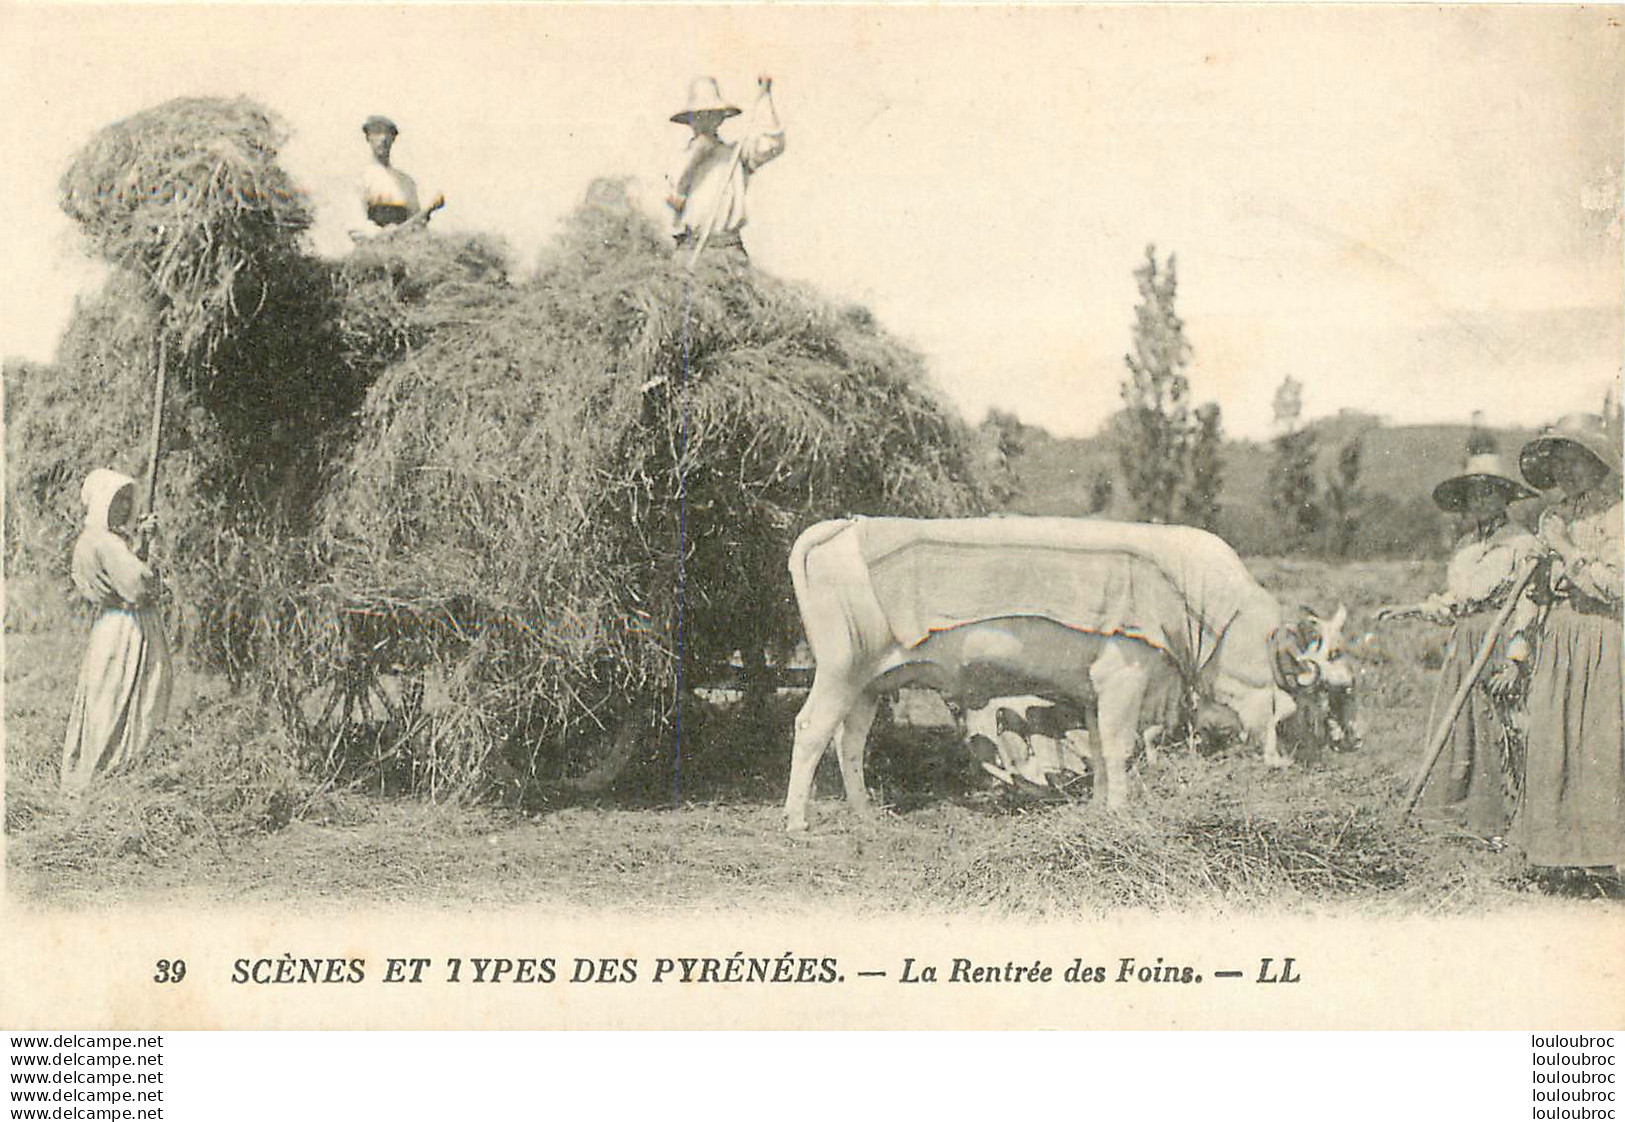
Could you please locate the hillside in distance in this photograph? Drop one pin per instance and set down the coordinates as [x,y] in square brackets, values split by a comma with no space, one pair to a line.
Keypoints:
[1399,467]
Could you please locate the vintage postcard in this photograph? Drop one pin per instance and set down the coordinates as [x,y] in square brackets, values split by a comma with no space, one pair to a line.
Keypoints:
[800,517]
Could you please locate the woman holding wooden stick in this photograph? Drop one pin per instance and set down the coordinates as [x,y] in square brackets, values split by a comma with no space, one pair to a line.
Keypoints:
[1469,784]
[1573,814]
[126,676]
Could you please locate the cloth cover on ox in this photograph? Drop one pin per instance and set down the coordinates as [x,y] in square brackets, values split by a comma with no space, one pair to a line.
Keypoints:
[1180,589]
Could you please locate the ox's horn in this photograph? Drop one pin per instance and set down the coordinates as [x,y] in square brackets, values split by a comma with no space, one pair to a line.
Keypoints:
[1285,651]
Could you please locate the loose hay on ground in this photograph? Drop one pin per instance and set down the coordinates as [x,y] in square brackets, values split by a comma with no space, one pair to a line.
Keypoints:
[1229,834]
[216,774]
[1080,859]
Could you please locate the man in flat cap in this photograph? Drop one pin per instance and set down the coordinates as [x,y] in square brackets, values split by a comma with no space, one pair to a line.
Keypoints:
[388,193]
[707,193]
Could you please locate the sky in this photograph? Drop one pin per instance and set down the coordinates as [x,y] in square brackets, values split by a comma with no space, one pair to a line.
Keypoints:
[1414,211]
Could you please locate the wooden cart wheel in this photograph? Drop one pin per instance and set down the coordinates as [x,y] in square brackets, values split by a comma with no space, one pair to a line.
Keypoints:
[354,704]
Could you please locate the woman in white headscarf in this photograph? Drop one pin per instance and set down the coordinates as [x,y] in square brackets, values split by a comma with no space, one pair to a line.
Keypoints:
[125,680]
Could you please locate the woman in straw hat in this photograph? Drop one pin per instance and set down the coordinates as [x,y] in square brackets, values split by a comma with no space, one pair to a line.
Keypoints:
[1467,787]
[1573,812]
[124,681]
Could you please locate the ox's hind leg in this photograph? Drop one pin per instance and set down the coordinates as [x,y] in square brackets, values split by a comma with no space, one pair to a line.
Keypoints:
[1121,676]
[1097,763]
[822,713]
[850,737]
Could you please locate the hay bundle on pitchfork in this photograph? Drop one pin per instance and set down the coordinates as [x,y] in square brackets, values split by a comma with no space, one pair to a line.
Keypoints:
[188,201]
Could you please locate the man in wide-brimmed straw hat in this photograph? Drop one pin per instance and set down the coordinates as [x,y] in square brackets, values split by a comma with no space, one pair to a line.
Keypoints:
[707,192]
[1573,815]
[1468,786]
[388,194]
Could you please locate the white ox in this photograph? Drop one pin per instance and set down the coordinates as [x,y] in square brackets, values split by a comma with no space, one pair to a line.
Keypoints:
[1086,614]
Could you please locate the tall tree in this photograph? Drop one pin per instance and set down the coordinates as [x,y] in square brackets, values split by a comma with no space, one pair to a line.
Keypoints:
[1003,441]
[1204,476]
[1344,500]
[1479,438]
[1292,486]
[1154,436]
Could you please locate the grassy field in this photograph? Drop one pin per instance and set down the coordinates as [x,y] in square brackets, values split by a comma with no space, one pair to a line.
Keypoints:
[224,811]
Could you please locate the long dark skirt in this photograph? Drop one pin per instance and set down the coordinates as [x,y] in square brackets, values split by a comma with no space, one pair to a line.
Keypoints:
[1473,785]
[1574,789]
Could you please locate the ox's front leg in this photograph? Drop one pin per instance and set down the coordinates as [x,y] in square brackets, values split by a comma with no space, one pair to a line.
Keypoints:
[1279,707]
[850,737]
[822,713]
[1261,711]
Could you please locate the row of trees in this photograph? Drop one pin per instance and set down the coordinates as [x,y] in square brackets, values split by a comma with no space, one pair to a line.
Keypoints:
[1314,514]
[1163,458]
[1169,451]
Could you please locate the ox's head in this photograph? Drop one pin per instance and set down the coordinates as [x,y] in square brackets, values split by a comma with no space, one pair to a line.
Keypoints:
[1312,665]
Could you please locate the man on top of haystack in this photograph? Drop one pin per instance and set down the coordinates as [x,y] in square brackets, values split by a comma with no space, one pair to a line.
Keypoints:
[707,194]
[389,195]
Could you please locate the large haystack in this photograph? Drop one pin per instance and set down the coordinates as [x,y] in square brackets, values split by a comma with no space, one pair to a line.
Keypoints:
[458,526]
[576,497]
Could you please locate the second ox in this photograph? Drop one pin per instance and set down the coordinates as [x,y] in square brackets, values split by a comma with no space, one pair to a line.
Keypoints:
[1092,615]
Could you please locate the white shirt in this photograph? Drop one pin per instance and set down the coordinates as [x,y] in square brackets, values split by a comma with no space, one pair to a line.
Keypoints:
[1482,572]
[708,172]
[387,186]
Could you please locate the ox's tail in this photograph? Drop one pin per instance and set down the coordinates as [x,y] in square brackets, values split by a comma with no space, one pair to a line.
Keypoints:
[815,535]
